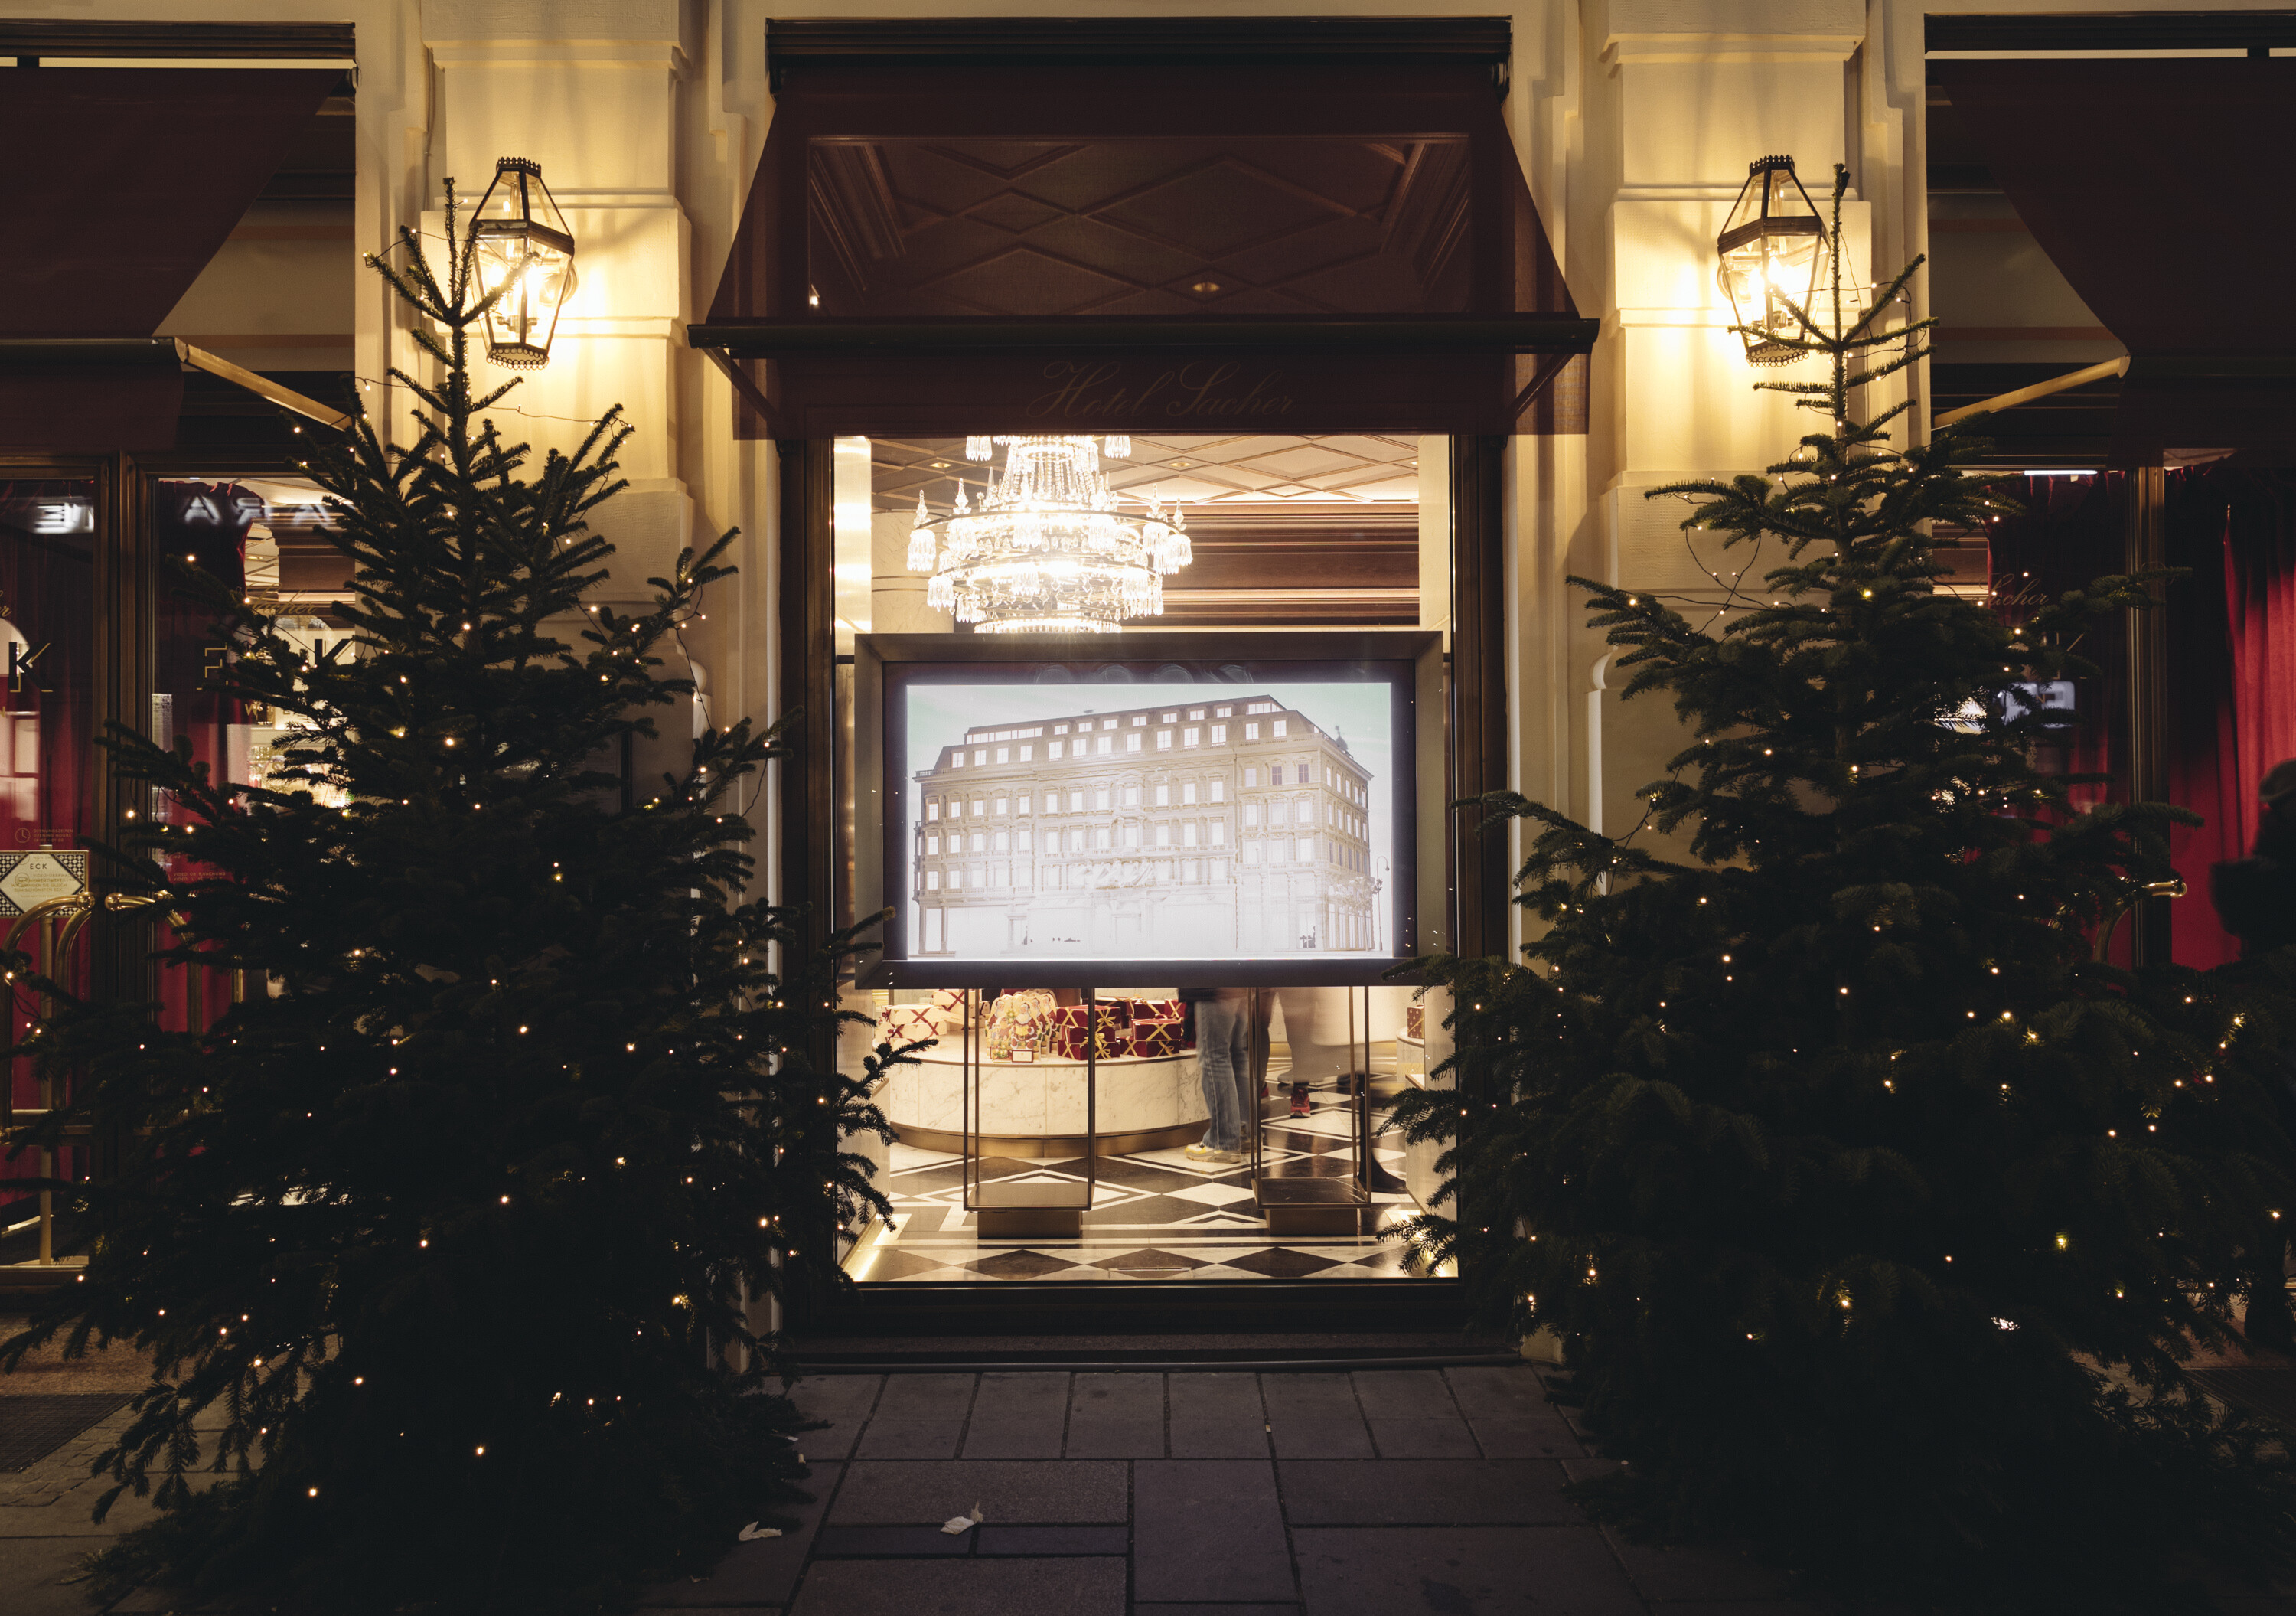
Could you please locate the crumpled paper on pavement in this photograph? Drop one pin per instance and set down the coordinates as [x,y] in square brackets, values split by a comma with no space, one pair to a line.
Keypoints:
[753,1532]
[957,1525]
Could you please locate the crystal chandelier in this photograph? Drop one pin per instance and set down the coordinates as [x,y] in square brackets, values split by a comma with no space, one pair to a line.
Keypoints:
[1046,552]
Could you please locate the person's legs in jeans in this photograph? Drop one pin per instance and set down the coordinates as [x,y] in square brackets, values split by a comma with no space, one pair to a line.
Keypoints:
[1218,1027]
[1239,1060]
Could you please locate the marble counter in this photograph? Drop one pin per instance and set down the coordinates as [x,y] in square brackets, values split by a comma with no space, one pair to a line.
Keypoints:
[1044,1100]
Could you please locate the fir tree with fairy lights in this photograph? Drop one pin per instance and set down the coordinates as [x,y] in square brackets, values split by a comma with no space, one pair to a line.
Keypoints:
[1878,1217]
[462,1223]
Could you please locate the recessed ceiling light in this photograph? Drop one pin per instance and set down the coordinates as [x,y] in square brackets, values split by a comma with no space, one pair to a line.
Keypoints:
[1206,287]
[940,466]
[1179,465]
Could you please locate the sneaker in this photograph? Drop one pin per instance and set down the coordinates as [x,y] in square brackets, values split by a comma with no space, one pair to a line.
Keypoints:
[1201,1152]
[1299,1106]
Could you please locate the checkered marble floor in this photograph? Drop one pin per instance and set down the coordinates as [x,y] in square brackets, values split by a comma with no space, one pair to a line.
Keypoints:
[1155,1215]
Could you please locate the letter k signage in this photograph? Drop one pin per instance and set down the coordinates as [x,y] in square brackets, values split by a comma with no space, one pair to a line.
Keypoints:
[22,677]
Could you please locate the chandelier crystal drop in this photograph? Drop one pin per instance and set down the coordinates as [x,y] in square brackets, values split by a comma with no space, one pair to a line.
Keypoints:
[1046,550]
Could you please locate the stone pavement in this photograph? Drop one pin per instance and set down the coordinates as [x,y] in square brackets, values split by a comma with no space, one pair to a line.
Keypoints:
[1377,1493]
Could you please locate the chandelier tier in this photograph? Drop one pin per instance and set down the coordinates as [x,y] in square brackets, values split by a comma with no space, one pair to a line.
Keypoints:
[1046,550]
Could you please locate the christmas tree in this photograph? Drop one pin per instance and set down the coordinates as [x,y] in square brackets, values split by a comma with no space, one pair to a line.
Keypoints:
[463,1219]
[1877,1214]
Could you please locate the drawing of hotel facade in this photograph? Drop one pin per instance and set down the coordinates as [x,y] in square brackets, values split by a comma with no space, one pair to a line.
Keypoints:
[1227,827]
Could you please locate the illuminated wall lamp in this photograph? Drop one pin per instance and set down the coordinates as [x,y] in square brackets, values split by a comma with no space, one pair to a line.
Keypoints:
[525,254]
[1773,249]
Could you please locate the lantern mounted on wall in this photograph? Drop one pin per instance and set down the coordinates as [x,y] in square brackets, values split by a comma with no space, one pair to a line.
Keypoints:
[1773,251]
[525,252]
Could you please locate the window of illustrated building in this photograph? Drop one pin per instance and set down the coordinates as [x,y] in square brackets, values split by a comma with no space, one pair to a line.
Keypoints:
[1219,790]
[1188,834]
[1004,843]
[1131,795]
[1107,745]
[1101,799]
[1219,733]
[1188,792]
[932,808]
[979,755]
[932,844]
[1251,776]
[1189,737]
[956,878]
[1132,743]
[1163,796]
[1104,839]
[1053,750]
[1163,835]
[1075,802]
[1004,805]
[1250,814]
[1163,740]
[1251,732]
[1219,831]
[932,881]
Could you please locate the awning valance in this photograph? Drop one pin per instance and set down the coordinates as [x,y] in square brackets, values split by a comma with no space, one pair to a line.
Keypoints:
[2161,191]
[1275,244]
[120,184]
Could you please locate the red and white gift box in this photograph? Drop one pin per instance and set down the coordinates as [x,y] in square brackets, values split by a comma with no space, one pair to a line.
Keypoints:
[908,1024]
[1415,1023]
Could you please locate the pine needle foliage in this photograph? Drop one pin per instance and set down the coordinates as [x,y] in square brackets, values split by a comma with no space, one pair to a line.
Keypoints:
[1879,1219]
[442,1240]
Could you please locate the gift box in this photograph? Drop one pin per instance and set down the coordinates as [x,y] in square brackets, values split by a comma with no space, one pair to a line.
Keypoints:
[907,1023]
[1157,1010]
[951,1008]
[1415,1023]
[1157,1035]
[1069,1035]
[1019,1024]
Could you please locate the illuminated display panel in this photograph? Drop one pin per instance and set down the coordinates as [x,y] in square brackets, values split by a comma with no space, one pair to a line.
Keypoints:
[1059,818]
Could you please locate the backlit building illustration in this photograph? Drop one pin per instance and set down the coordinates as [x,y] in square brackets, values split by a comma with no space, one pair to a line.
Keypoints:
[1212,829]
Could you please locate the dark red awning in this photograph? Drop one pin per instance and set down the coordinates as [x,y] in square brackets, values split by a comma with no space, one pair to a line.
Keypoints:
[1012,247]
[119,186]
[2162,191]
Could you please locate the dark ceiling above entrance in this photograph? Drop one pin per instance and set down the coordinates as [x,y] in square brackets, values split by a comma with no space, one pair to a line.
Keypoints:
[1071,237]
[958,228]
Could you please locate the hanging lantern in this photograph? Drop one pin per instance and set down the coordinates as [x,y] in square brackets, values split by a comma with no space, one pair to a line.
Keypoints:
[525,252]
[1774,251]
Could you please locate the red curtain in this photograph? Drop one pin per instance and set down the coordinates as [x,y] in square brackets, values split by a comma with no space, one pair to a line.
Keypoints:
[2232,672]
